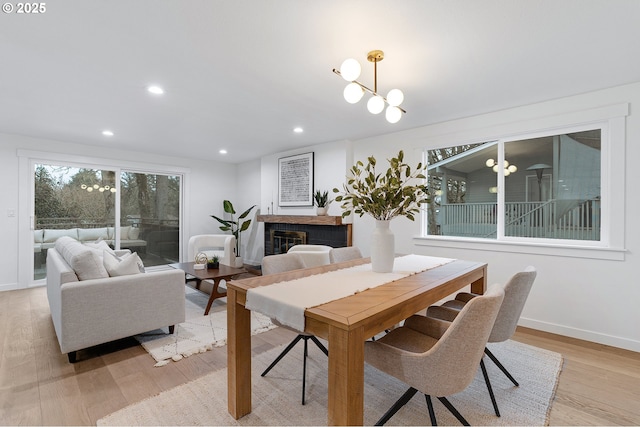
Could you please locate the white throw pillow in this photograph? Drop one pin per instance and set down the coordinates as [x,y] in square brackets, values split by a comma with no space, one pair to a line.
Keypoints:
[85,262]
[122,266]
[99,247]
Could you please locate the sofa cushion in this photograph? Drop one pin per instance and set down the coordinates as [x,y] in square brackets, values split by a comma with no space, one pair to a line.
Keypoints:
[51,236]
[84,261]
[91,234]
[124,265]
[38,236]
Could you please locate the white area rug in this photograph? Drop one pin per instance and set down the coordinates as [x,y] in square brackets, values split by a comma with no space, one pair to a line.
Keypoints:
[198,333]
[276,397]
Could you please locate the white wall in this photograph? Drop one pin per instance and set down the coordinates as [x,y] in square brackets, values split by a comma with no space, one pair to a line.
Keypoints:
[207,183]
[592,298]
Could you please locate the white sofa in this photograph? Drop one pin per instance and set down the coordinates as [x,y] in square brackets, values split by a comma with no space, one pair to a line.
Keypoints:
[100,309]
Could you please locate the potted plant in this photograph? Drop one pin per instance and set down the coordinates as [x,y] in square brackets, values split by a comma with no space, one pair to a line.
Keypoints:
[321,200]
[213,262]
[384,196]
[236,227]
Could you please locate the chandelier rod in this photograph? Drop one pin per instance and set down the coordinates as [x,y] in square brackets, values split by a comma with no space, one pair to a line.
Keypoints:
[372,92]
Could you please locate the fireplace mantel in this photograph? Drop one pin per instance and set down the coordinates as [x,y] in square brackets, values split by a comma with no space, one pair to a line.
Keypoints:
[301,219]
[319,230]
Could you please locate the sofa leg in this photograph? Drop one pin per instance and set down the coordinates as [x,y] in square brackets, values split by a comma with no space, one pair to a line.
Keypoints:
[72,356]
[172,328]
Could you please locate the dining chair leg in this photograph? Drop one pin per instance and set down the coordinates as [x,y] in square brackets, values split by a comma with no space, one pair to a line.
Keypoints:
[453,410]
[406,397]
[432,414]
[304,367]
[488,383]
[319,344]
[499,365]
[284,352]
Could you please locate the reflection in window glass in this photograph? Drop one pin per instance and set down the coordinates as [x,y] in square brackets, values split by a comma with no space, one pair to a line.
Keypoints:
[551,188]
[462,190]
[557,193]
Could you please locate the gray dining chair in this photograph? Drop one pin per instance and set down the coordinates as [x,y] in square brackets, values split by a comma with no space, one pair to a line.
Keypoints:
[272,264]
[344,254]
[436,357]
[516,292]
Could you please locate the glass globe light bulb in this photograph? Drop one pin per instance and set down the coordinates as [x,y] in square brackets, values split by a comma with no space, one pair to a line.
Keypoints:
[353,93]
[113,190]
[375,105]
[506,172]
[506,164]
[495,168]
[395,97]
[393,114]
[490,163]
[513,168]
[350,69]
[89,189]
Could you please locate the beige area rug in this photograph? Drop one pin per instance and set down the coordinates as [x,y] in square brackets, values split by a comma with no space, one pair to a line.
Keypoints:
[198,333]
[276,397]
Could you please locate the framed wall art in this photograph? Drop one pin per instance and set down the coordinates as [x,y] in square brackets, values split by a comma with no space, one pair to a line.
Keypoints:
[295,180]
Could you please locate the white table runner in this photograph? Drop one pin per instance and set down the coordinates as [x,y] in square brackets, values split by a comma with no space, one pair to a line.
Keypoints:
[286,301]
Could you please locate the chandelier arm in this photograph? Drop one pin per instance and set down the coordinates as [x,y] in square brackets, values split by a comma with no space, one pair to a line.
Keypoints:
[372,92]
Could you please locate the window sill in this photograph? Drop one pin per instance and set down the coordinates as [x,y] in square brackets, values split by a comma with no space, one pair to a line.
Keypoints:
[571,251]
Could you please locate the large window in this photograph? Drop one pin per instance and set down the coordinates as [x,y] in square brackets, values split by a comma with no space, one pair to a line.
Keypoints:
[546,187]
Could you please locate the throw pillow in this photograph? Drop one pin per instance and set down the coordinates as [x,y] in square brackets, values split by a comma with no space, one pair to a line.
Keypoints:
[99,246]
[122,266]
[86,263]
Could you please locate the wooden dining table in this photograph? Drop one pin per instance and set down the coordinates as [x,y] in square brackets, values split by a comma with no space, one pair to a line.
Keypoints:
[346,324]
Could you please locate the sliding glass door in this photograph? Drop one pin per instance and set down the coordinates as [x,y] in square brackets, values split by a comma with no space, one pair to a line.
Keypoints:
[150,216]
[71,201]
[86,203]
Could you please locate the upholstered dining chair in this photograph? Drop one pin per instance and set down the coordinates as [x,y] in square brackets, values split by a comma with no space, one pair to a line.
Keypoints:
[436,357]
[344,254]
[516,291]
[313,255]
[272,264]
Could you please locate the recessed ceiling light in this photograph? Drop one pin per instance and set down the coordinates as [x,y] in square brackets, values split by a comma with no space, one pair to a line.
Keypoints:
[223,151]
[298,129]
[107,133]
[156,90]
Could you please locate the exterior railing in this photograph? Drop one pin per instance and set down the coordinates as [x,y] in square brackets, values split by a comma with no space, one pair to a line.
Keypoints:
[555,219]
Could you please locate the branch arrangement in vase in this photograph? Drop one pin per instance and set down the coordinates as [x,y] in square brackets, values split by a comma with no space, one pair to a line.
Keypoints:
[384,196]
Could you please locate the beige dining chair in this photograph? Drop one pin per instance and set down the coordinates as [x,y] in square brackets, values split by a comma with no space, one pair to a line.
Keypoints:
[344,254]
[435,357]
[516,292]
[272,264]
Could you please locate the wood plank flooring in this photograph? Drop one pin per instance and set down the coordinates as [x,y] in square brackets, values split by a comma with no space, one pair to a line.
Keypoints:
[599,385]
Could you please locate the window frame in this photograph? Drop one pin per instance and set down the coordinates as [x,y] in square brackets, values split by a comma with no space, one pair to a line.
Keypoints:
[611,121]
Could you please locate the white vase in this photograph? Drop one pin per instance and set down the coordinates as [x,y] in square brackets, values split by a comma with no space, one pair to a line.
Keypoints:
[321,211]
[382,248]
[239,262]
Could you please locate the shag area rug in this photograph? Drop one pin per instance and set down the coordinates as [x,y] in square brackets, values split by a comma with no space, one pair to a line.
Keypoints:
[276,397]
[198,333]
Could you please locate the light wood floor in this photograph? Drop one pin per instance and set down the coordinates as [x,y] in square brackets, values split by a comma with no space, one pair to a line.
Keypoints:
[599,385]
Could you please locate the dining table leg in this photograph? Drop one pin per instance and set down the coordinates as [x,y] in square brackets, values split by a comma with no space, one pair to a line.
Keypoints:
[346,377]
[479,286]
[238,357]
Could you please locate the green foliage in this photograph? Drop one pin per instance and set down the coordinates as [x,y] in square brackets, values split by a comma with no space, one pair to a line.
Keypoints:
[321,199]
[236,227]
[384,196]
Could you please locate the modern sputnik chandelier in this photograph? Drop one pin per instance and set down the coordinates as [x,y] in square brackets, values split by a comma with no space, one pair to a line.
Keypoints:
[350,71]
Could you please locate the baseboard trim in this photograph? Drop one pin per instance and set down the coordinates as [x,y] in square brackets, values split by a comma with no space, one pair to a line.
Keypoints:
[597,337]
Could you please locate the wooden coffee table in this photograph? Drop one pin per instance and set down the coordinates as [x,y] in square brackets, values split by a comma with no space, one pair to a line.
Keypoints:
[214,274]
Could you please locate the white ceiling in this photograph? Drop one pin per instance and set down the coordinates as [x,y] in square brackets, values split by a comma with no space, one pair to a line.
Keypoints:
[242,74]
